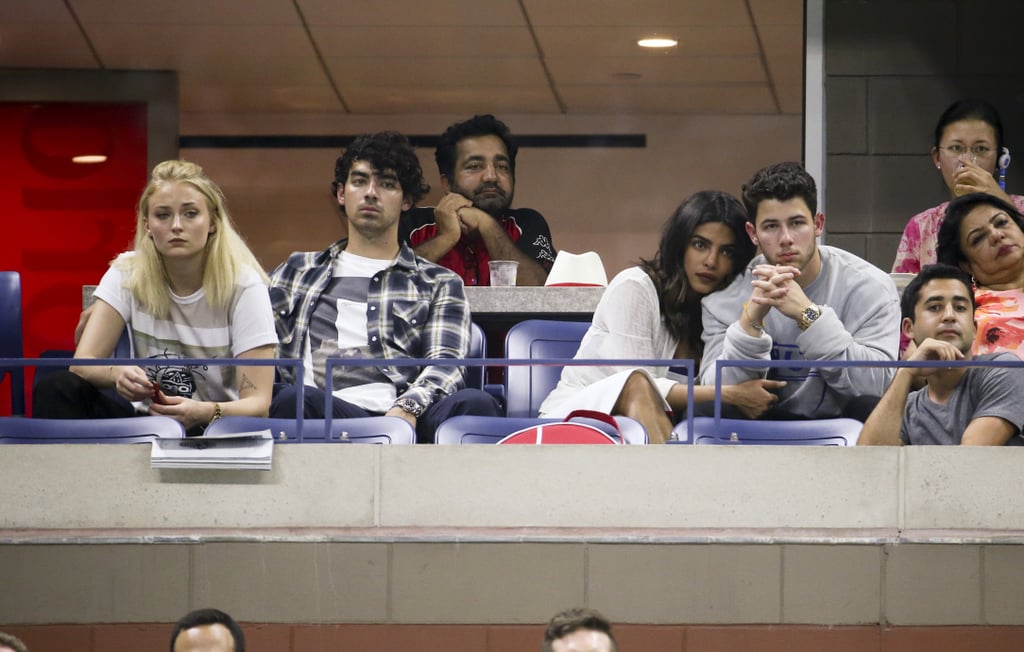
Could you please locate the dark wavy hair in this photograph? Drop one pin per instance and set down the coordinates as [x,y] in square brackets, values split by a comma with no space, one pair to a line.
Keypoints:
[912,293]
[385,150]
[201,617]
[667,269]
[948,250]
[782,182]
[478,125]
[970,109]
[565,623]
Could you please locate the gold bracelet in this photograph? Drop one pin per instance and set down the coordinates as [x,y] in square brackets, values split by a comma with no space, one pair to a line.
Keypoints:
[216,413]
[755,325]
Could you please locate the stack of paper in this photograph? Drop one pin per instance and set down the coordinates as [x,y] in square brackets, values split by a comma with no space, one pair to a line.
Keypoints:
[238,450]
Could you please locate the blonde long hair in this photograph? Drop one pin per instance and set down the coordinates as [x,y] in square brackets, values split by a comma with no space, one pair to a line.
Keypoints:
[226,254]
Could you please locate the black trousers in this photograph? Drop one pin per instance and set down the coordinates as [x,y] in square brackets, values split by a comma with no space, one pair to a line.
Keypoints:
[66,395]
[474,402]
[858,407]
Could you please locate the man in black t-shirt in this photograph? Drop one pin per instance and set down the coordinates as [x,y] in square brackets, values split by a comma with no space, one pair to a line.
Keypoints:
[473,224]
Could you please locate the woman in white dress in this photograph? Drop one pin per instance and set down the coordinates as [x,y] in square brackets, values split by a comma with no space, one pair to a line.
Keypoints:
[652,311]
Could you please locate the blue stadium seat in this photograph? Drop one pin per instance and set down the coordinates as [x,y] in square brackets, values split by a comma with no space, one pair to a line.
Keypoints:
[526,387]
[812,432]
[11,343]
[129,430]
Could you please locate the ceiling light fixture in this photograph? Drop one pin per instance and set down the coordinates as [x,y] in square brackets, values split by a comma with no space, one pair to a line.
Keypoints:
[89,158]
[657,42]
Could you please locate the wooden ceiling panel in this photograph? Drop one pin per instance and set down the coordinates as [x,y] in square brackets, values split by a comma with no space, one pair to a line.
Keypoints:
[413,43]
[436,72]
[443,56]
[65,46]
[186,12]
[165,47]
[260,98]
[778,12]
[714,99]
[643,13]
[459,101]
[36,11]
[568,71]
[723,41]
[414,13]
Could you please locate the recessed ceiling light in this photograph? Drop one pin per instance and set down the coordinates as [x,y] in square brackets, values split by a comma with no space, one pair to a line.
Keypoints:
[657,42]
[89,158]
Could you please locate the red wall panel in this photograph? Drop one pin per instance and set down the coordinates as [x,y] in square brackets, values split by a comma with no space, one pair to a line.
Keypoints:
[64,221]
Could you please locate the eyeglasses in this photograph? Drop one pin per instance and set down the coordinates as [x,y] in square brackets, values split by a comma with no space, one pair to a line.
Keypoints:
[956,150]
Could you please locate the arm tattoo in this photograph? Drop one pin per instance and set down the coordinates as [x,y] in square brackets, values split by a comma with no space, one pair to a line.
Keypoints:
[246,383]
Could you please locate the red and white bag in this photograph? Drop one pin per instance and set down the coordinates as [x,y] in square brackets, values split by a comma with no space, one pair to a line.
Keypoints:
[568,431]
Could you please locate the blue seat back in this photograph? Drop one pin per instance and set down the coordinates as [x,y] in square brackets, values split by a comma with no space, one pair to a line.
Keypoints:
[129,430]
[11,343]
[490,430]
[363,430]
[811,432]
[526,387]
[474,375]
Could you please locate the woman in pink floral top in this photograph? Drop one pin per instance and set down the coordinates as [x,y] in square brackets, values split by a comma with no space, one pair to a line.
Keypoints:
[984,236]
[968,138]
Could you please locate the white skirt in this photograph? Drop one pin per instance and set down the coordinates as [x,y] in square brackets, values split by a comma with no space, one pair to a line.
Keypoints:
[600,396]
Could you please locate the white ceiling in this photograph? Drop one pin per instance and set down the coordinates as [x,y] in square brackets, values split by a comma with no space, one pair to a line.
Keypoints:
[430,56]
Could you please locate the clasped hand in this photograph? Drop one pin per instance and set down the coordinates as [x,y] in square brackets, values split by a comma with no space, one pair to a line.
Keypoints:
[456,213]
[775,286]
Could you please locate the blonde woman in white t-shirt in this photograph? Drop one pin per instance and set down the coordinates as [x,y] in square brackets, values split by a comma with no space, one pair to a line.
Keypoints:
[190,288]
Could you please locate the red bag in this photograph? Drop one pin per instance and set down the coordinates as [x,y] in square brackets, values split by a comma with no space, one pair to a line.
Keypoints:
[568,431]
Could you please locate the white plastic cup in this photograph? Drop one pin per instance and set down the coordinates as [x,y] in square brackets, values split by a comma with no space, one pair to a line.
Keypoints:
[503,272]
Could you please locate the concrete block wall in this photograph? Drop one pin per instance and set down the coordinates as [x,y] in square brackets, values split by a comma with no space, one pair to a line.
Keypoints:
[892,67]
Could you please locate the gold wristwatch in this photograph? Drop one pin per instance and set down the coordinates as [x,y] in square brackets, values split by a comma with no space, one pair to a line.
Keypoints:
[809,316]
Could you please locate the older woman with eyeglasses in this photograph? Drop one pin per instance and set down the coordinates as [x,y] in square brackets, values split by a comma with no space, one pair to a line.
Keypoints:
[967,151]
[984,236]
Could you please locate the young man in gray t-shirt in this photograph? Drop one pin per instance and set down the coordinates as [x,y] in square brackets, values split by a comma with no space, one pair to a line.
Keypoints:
[958,405]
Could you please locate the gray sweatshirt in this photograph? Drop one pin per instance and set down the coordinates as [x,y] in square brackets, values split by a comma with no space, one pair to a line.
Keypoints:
[860,320]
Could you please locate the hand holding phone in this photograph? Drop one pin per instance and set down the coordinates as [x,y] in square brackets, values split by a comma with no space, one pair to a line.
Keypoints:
[158,396]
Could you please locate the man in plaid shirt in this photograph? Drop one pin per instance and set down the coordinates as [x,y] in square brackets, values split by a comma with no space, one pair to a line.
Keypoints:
[366,296]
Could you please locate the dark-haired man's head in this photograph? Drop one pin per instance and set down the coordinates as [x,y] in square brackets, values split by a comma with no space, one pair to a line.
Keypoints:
[579,630]
[207,630]
[385,150]
[376,179]
[939,303]
[782,203]
[477,159]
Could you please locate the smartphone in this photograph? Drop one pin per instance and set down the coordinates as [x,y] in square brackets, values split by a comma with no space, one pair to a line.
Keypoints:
[158,396]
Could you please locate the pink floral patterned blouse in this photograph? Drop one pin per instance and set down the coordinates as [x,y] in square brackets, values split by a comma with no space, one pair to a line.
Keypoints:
[1000,318]
[917,246]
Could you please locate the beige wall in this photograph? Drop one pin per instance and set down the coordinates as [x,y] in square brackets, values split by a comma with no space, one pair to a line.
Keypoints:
[488,534]
[613,201]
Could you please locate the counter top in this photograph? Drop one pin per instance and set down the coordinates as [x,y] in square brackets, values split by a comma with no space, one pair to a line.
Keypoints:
[533,300]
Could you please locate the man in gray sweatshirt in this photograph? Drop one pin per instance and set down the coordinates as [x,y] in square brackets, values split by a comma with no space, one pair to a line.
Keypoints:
[802,301]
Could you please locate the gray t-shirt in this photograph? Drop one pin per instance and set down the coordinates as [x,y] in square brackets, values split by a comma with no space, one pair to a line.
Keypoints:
[982,392]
